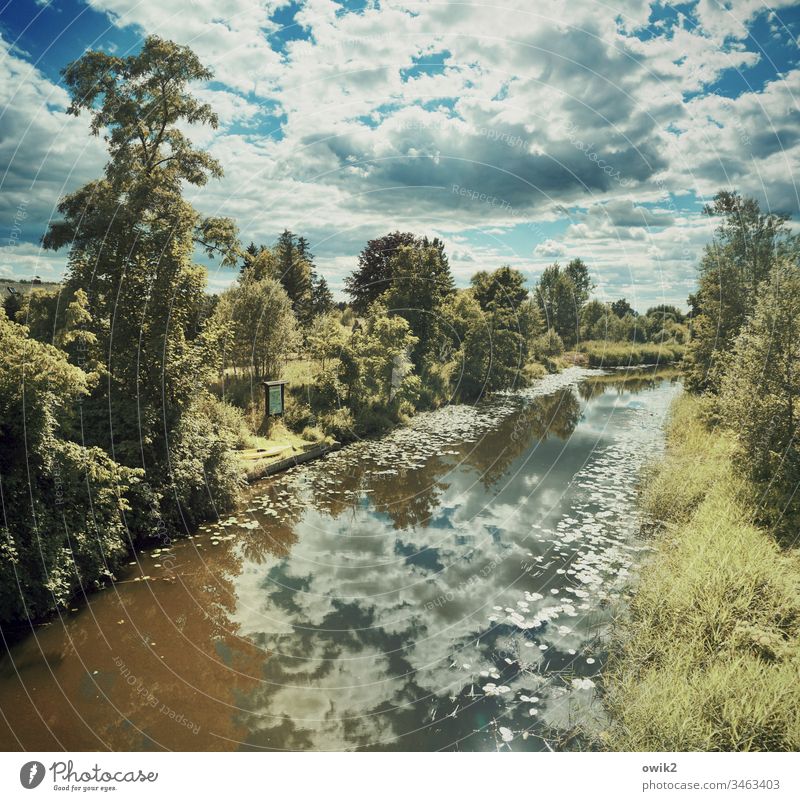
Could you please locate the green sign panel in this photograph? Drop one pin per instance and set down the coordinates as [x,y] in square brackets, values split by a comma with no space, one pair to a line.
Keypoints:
[275,400]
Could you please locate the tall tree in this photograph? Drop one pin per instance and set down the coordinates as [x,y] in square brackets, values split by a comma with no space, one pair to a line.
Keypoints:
[747,243]
[132,236]
[622,308]
[294,272]
[373,276]
[321,296]
[560,302]
[259,329]
[421,281]
[578,273]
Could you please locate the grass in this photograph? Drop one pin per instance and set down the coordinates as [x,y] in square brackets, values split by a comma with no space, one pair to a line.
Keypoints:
[280,444]
[623,354]
[709,656]
[301,372]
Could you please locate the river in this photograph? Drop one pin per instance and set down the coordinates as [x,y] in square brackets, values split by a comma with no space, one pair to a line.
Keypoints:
[447,587]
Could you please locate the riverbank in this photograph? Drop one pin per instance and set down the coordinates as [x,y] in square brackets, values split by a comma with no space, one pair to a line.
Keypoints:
[708,656]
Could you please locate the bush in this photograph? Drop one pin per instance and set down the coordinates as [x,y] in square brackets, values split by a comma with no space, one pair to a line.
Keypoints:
[205,478]
[547,346]
[64,527]
[339,424]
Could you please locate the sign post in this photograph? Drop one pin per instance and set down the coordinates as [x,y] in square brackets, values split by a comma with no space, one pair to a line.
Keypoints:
[275,392]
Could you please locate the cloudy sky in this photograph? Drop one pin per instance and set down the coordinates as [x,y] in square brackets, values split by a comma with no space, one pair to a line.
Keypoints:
[520,132]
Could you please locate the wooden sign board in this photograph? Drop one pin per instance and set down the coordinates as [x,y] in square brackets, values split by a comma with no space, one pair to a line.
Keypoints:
[275,397]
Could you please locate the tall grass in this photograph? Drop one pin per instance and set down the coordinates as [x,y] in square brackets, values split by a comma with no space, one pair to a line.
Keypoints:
[600,353]
[709,657]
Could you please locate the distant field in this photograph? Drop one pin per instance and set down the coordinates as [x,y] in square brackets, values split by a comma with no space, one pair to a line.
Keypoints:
[26,286]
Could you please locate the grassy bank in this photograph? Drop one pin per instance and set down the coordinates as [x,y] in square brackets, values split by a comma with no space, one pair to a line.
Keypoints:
[709,656]
[624,354]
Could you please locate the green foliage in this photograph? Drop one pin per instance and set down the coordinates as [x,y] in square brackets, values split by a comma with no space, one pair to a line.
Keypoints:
[748,243]
[546,348]
[561,294]
[760,397]
[373,378]
[622,308]
[255,327]
[132,236]
[489,346]
[421,282]
[326,338]
[64,528]
[375,272]
[503,289]
[708,657]
[204,474]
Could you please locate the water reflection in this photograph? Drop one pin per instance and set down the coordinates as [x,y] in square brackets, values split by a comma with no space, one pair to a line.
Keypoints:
[440,589]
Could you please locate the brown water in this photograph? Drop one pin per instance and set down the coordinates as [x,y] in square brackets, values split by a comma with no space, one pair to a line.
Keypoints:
[443,588]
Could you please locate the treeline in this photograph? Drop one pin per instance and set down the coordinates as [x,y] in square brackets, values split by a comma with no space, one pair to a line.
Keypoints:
[708,658]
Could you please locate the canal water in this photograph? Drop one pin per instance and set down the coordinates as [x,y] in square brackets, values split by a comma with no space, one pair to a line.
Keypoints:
[446,587]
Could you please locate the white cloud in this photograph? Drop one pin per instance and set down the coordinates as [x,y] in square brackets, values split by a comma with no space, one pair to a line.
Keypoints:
[532,111]
[549,249]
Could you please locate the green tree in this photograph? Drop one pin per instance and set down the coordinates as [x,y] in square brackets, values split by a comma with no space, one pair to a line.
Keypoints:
[295,273]
[578,273]
[132,236]
[258,328]
[502,289]
[321,296]
[622,308]
[560,302]
[747,243]
[421,281]
[326,338]
[374,274]
[373,364]
[760,396]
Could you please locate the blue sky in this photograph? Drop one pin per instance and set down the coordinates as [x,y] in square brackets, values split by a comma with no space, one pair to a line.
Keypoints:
[519,133]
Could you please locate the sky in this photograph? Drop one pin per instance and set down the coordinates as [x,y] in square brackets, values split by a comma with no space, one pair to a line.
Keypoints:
[519,132]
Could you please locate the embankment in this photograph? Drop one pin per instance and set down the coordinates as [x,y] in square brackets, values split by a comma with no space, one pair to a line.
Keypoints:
[708,657]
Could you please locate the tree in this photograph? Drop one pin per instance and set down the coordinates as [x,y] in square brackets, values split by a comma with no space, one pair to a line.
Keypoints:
[578,273]
[622,308]
[326,338]
[760,396]
[594,320]
[373,276]
[372,364]
[747,243]
[294,272]
[665,312]
[258,327]
[421,281]
[559,300]
[502,289]
[132,236]
[321,296]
